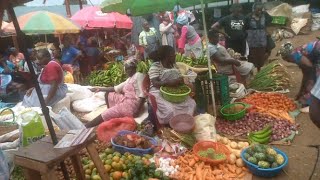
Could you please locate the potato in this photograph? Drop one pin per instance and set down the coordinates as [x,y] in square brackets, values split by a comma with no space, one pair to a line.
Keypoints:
[240,145]
[233,145]
[237,153]
[232,158]
[239,162]
[218,137]
[245,144]
[225,140]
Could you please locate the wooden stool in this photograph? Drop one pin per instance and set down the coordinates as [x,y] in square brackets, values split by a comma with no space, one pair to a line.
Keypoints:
[39,159]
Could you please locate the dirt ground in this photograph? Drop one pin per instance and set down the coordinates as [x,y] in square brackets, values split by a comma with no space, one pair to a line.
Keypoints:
[301,157]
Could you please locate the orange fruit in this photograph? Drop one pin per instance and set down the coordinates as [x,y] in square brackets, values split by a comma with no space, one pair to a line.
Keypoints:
[117,175]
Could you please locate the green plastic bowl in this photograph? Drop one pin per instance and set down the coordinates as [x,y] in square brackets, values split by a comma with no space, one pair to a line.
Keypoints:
[236,116]
[174,98]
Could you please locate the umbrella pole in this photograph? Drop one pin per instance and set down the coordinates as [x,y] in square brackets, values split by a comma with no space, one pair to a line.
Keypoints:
[44,108]
[209,60]
[45,38]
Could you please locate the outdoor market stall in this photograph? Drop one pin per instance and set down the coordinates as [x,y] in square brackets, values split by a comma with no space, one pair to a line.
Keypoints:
[231,145]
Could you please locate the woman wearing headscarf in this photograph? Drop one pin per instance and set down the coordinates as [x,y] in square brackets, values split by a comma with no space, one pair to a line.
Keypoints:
[234,29]
[50,80]
[257,22]
[125,99]
[189,42]
[307,57]
[167,31]
[164,72]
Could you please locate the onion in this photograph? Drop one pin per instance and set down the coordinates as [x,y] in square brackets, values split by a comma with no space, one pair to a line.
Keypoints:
[239,162]
[232,158]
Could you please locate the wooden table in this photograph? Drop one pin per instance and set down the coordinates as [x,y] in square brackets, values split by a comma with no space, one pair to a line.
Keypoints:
[39,159]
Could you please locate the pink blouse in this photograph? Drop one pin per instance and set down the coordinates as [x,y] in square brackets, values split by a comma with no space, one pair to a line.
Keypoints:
[183,38]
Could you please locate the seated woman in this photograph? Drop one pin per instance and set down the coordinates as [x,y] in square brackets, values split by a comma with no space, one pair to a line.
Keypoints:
[125,99]
[223,60]
[50,82]
[307,57]
[166,73]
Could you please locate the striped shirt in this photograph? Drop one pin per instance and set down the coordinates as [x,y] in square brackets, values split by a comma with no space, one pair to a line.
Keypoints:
[316,89]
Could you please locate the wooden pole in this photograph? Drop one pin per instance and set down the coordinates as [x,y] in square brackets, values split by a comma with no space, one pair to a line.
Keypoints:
[3,5]
[209,60]
[67,4]
[80,4]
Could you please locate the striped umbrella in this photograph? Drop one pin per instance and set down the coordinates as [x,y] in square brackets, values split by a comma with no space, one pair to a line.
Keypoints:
[43,22]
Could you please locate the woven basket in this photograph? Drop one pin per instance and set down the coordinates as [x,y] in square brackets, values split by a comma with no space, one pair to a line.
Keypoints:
[6,127]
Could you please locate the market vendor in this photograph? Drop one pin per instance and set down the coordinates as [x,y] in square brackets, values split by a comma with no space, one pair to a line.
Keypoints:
[189,42]
[315,104]
[125,99]
[50,82]
[307,57]
[166,73]
[148,39]
[16,58]
[71,55]
[223,60]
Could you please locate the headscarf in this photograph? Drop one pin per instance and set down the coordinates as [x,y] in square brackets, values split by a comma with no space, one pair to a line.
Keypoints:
[182,19]
[285,49]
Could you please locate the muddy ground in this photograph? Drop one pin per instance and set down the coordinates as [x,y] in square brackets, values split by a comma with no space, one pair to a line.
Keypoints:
[301,157]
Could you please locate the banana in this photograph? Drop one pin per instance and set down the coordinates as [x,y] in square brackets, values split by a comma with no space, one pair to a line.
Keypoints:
[257,140]
[263,131]
[262,136]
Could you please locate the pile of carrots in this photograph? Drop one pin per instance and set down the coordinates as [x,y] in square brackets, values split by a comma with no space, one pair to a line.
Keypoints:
[191,168]
[270,101]
[277,114]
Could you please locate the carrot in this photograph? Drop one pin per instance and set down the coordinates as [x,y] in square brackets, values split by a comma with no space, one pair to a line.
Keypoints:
[231,168]
[238,171]
[217,172]
[192,162]
[242,175]
[184,161]
[205,172]
[199,171]
[244,169]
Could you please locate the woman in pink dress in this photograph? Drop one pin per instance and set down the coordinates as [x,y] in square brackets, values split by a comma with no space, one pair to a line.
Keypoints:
[125,99]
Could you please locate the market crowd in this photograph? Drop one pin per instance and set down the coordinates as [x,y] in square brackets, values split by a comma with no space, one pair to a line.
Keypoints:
[76,57]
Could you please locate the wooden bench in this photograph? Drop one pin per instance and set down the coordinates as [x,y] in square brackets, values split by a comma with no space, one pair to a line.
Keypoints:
[39,159]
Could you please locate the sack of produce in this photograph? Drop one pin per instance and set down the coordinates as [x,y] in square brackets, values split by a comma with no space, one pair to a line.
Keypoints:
[89,104]
[79,92]
[65,120]
[109,129]
[31,127]
[4,167]
[205,128]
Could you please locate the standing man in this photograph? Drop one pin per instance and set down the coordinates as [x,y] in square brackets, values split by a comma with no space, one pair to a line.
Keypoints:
[234,29]
[71,55]
[315,104]
[148,39]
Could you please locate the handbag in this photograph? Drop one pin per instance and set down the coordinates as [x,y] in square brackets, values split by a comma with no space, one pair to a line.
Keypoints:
[270,43]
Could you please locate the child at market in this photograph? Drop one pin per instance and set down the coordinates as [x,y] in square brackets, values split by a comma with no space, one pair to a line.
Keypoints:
[224,62]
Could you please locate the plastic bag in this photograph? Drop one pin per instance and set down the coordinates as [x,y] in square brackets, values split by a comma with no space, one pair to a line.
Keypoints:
[297,24]
[4,167]
[240,90]
[79,92]
[205,128]
[89,104]
[65,120]
[65,102]
[109,129]
[68,78]
[31,127]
